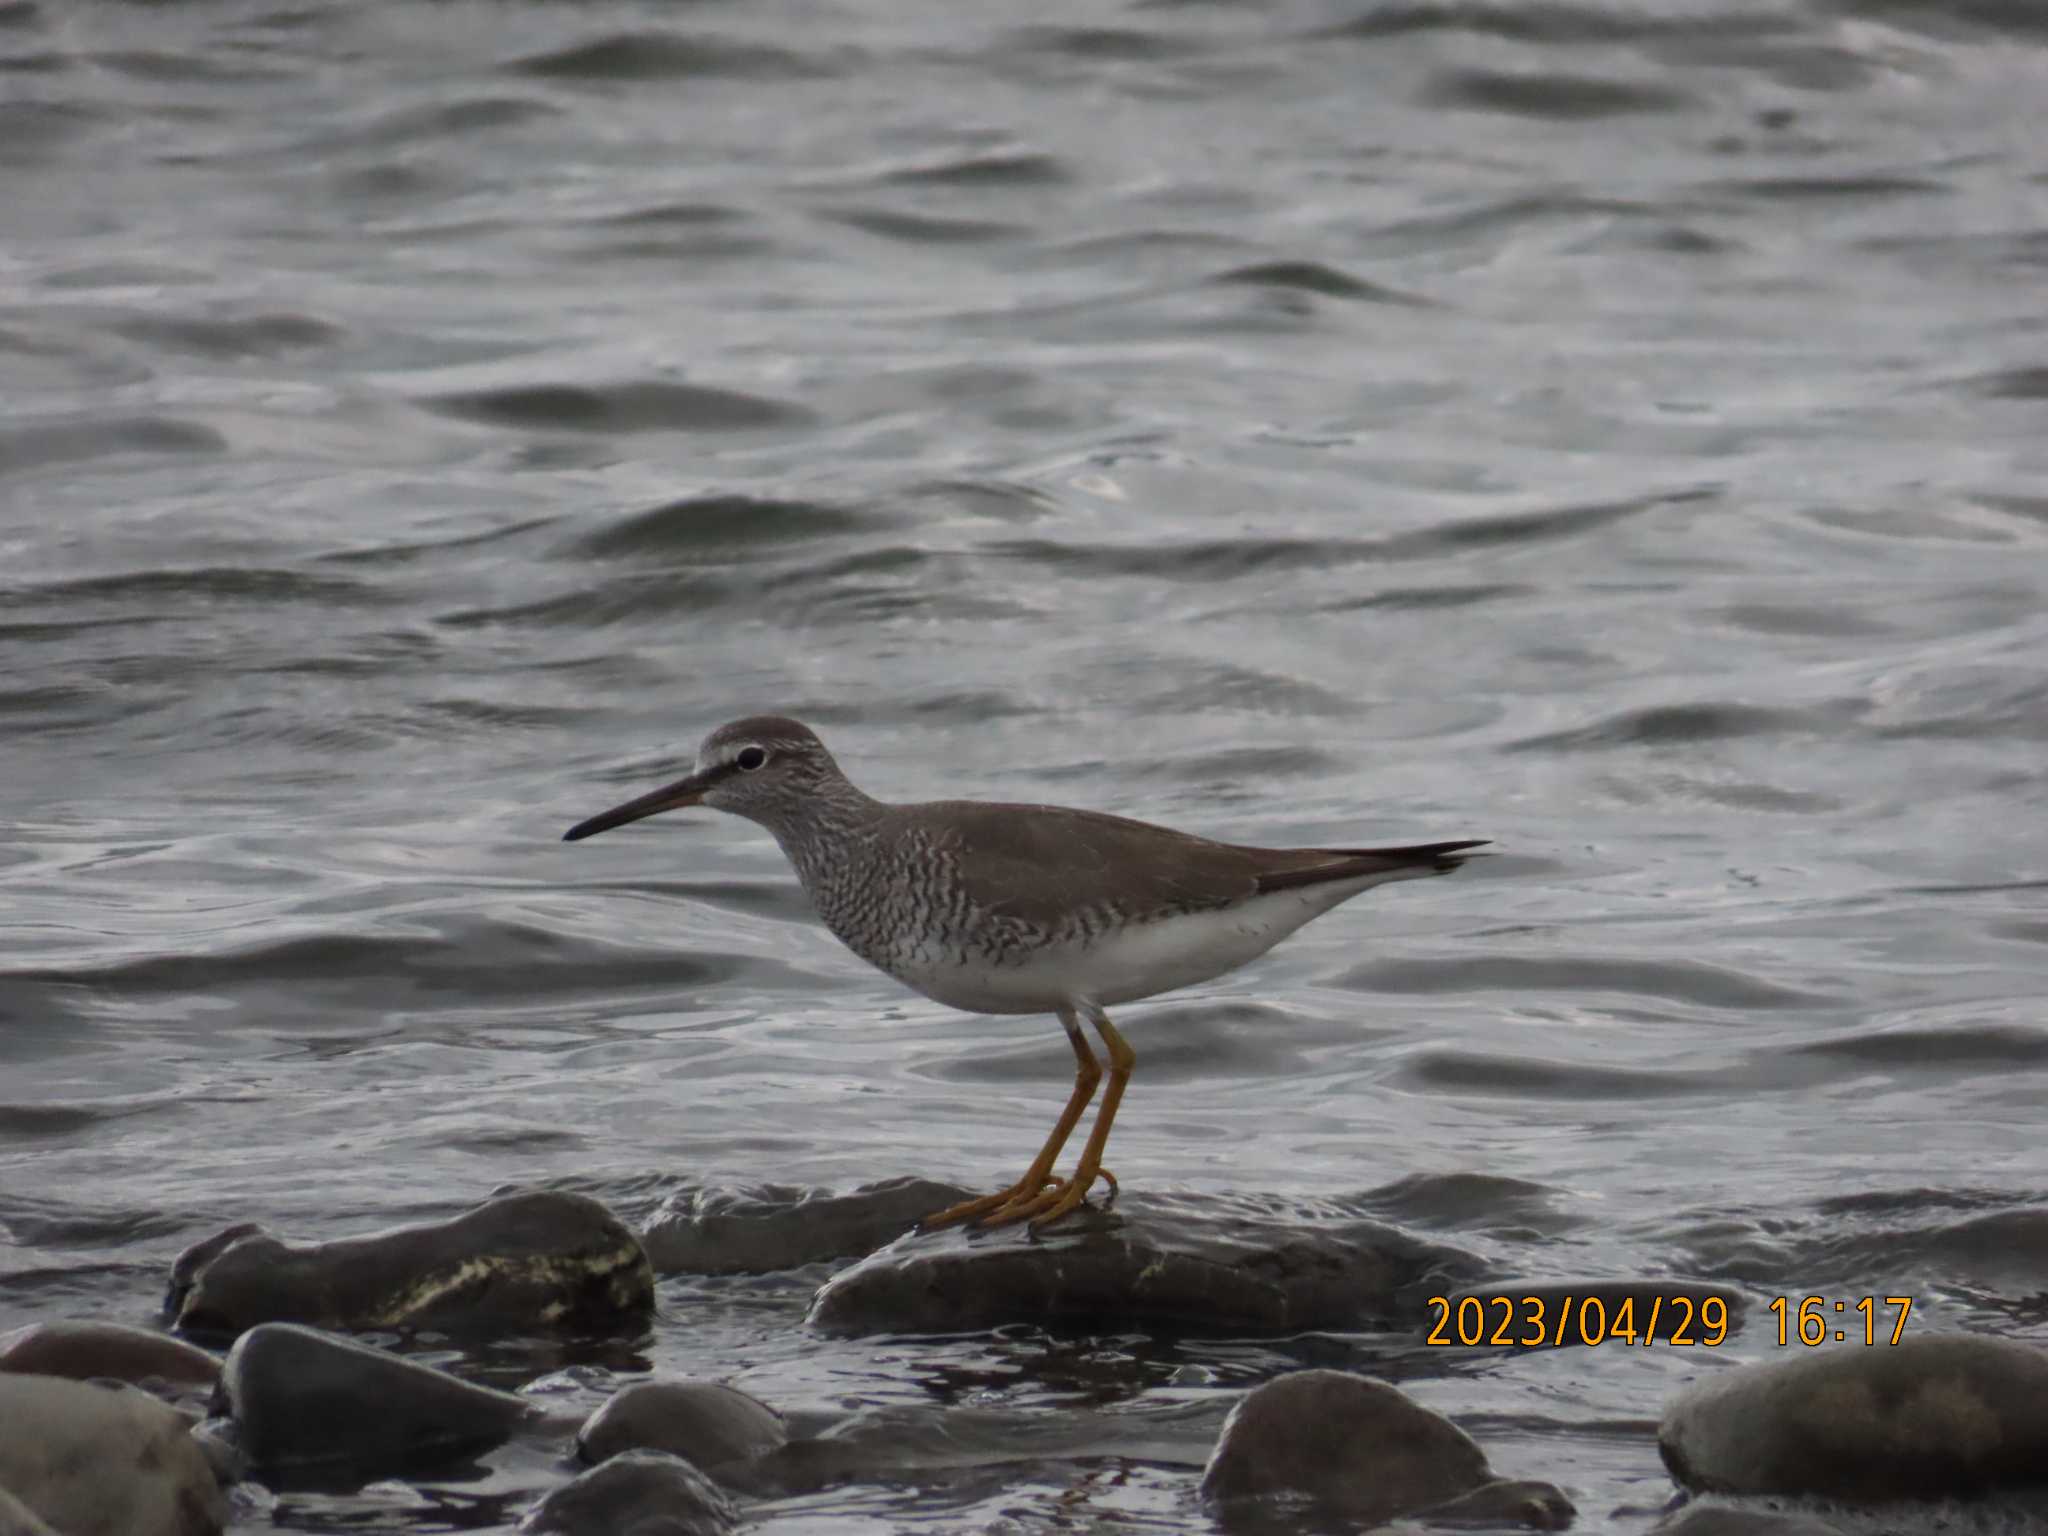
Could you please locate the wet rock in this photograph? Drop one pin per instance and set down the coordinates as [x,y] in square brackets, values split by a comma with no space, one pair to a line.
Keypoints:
[84,1349]
[704,1422]
[540,1258]
[1551,1313]
[636,1493]
[1361,1447]
[1507,1501]
[773,1227]
[1937,1416]
[1698,1519]
[1153,1260]
[204,1252]
[933,1447]
[220,1442]
[103,1459]
[304,1400]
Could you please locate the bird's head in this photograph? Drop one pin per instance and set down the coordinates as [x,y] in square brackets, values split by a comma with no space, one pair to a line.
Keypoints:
[765,768]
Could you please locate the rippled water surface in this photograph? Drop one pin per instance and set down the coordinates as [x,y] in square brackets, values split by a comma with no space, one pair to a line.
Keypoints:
[1612,429]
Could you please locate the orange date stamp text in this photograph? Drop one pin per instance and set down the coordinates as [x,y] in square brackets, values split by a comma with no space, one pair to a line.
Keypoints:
[1552,1321]
[1814,1320]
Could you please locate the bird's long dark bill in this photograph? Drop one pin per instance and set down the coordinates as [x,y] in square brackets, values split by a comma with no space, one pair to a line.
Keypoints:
[672,797]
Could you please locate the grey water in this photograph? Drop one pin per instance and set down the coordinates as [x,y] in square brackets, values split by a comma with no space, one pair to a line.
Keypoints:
[1618,430]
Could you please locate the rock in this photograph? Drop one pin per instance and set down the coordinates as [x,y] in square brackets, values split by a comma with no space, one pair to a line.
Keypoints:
[204,1252]
[1934,1416]
[636,1493]
[1507,1501]
[540,1258]
[1153,1261]
[17,1519]
[1361,1447]
[1549,1313]
[221,1444]
[84,1349]
[103,1459]
[782,1226]
[934,1448]
[1344,1440]
[1698,1519]
[304,1400]
[704,1422]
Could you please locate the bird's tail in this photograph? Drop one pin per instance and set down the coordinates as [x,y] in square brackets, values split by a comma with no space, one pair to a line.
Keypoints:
[1388,863]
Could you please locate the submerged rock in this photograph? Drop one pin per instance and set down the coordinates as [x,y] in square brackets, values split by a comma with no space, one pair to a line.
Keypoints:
[636,1493]
[934,1447]
[305,1400]
[783,1226]
[103,1459]
[217,1441]
[1362,1448]
[540,1258]
[1932,1417]
[1164,1261]
[1698,1519]
[705,1422]
[1535,1506]
[84,1349]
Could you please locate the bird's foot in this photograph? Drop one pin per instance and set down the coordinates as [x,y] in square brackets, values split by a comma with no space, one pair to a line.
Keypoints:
[968,1210]
[1059,1198]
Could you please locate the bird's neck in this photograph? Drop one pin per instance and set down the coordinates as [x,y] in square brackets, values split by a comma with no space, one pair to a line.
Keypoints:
[833,827]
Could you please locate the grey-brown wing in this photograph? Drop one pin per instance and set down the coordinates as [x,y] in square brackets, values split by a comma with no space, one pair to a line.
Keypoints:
[1038,863]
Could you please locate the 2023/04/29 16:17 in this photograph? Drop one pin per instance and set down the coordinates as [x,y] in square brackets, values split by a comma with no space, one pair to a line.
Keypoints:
[1812,1320]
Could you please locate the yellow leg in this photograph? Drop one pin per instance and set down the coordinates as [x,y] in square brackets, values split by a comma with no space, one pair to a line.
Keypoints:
[1046,1206]
[1087,1073]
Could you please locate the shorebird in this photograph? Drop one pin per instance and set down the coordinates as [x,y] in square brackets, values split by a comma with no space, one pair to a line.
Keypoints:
[997,908]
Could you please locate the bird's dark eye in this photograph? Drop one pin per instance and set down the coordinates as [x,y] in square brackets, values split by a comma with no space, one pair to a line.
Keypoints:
[751,758]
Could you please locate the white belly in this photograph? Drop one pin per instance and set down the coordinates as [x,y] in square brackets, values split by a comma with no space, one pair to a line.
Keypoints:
[1125,964]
